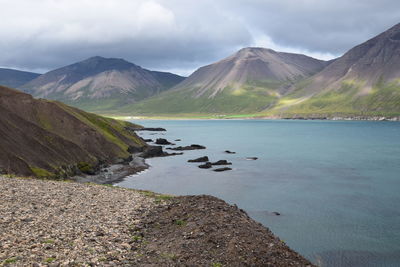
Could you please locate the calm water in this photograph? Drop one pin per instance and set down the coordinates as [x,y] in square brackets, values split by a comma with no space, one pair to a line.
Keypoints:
[336,183]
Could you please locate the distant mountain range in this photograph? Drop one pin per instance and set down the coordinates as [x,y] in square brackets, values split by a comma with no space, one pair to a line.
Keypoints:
[364,82]
[100,84]
[251,80]
[15,78]
[50,139]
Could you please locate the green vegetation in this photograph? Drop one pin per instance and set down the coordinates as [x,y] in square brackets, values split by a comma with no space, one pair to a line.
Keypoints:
[85,167]
[41,173]
[246,99]
[216,264]
[261,99]
[50,259]
[349,100]
[9,261]
[180,222]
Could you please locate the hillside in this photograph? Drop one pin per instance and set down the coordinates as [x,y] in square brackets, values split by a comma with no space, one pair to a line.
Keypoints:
[365,81]
[251,80]
[14,78]
[50,139]
[97,84]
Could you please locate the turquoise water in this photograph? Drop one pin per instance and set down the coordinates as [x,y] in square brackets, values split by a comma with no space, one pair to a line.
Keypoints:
[335,183]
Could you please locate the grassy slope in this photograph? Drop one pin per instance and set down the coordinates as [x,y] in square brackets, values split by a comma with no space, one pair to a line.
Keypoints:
[260,99]
[59,136]
[249,99]
[347,101]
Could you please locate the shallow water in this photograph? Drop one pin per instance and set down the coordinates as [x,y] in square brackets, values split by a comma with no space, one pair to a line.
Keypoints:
[335,183]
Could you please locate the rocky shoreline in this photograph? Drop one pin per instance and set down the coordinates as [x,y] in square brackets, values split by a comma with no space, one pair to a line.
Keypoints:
[59,223]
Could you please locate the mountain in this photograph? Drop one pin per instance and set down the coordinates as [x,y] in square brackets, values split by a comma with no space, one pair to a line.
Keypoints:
[100,84]
[50,139]
[248,81]
[15,78]
[365,81]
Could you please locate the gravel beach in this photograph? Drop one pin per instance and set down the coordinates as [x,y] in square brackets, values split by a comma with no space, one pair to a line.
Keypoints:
[56,223]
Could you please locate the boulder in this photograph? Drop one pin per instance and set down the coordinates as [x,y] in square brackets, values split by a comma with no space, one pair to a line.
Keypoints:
[221,162]
[162,141]
[201,159]
[206,165]
[191,147]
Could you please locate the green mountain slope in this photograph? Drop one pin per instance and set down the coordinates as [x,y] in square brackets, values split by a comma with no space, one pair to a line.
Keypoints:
[251,80]
[365,81]
[47,138]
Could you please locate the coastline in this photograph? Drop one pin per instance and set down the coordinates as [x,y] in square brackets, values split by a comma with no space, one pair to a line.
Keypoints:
[59,223]
[257,117]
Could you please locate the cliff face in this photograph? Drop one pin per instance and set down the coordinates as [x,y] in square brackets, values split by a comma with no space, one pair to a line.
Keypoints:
[46,138]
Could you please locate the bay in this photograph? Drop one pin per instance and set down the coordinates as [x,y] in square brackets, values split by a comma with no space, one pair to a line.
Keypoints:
[336,184]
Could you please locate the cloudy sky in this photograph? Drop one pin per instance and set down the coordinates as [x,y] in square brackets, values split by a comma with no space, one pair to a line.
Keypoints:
[182,35]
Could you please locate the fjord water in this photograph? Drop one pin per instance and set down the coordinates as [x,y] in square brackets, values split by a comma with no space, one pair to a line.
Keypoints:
[335,183]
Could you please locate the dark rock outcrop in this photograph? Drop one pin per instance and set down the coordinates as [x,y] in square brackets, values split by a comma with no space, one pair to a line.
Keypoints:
[191,147]
[163,141]
[206,165]
[221,162]
[151,129]
[201,159]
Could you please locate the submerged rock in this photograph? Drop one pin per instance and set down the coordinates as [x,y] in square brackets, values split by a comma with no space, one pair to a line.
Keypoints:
[163,141]
[151,129]
[221,162]
[206,165]
[191,147]
[222,169]
[201,159]
[251,158]
[276,213]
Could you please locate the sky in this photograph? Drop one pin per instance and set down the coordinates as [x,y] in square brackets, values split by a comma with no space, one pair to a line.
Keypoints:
[180,36]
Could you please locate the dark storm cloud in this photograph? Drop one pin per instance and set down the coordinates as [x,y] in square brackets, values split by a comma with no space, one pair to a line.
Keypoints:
[181,35]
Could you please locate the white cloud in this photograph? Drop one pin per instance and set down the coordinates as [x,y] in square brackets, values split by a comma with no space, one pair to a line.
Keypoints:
[182,35]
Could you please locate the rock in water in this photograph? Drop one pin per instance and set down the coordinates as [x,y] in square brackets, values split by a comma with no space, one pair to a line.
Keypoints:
[229,152]
[222,169]
[206,165]
[251,158]
[162,141]
[221,162]
[191,147]
[201,159]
